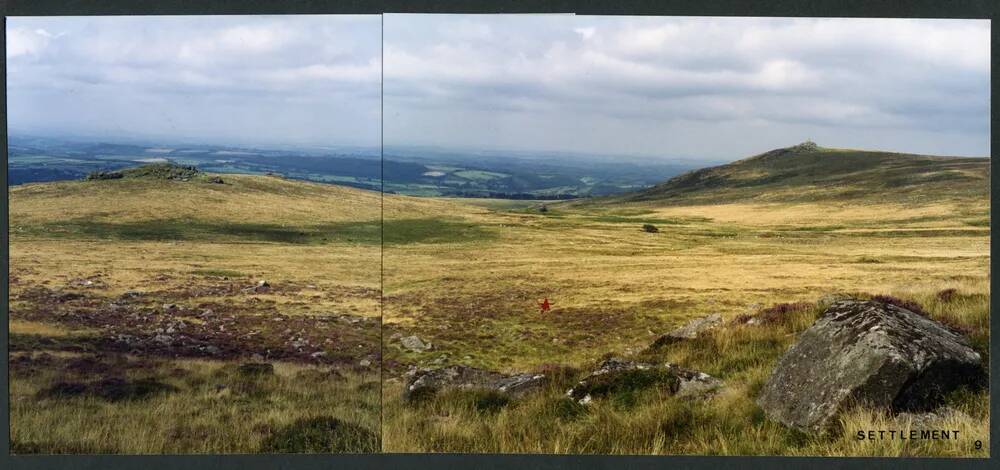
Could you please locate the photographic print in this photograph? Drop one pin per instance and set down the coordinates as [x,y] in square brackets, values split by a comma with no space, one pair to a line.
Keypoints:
[686,236]
[194,234]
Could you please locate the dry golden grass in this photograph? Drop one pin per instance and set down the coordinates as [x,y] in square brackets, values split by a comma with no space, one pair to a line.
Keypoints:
[615,288]
[244,198]
[184,241]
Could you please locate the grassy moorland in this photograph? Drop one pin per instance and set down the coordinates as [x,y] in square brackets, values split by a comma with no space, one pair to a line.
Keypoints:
[786,227]
[135,304]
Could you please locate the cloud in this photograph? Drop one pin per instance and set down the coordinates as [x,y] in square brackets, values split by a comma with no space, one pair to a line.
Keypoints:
[241,79]
[914,85]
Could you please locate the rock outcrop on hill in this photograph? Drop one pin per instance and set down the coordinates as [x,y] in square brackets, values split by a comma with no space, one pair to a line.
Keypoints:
[867,353]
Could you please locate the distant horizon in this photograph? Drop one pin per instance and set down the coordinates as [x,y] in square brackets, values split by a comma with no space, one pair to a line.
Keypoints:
[152,141]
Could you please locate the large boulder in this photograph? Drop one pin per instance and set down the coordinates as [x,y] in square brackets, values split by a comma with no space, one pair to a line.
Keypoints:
[871,354]
[426,382]
[616,375]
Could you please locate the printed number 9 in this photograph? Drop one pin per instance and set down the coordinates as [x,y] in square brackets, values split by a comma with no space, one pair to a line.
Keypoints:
[979,445]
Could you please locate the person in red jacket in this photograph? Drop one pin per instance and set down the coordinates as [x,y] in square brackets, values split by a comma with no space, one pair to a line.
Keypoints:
[545,306]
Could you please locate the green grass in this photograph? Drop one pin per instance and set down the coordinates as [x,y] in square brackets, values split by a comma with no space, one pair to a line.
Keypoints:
[433,230]
[396,232]
[208,231]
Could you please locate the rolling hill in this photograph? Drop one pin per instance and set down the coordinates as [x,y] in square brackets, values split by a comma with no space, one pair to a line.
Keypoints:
[807,172]
[182,304]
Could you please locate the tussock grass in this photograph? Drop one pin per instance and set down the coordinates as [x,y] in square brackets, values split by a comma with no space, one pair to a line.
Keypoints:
[210,408]
[646,419]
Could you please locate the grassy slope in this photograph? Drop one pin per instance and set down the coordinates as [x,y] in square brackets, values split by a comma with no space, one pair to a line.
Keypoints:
[615,288]
[806,173]
[194,244]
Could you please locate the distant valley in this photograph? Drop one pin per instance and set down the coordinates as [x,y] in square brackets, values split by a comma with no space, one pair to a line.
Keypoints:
[420,172]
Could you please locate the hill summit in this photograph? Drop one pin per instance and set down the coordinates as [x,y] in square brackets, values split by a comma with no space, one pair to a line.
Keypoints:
[807,171]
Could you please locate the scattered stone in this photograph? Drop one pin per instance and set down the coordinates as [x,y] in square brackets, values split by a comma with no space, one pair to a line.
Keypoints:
[870,353]
[689,331]
[617,375]
[426,382]
[695,384]
[414,343]
[163,339]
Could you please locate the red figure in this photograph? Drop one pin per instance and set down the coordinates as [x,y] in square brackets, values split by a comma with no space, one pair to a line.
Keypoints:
[545,305]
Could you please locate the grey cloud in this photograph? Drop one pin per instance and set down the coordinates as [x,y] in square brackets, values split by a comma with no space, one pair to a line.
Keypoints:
[916,84]
[228,79]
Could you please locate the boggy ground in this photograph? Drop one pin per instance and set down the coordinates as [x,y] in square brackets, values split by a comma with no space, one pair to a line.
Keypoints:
[615,289]
[135,305]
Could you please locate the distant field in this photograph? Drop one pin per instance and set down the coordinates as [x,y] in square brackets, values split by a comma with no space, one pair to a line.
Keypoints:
[423,173]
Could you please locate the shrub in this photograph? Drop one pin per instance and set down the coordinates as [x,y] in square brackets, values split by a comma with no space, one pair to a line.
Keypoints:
[650,228]
[256,368]
[565,409]
[778,313]
[119,389]
[560,375]
[947,295]
[625,382]
[742,319]
[323,434]
[489,401]
[104,175]
[542,208]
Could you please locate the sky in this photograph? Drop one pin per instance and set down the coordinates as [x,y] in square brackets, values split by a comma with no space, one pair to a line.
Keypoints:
[231,80]
[662,87]
[659,87]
